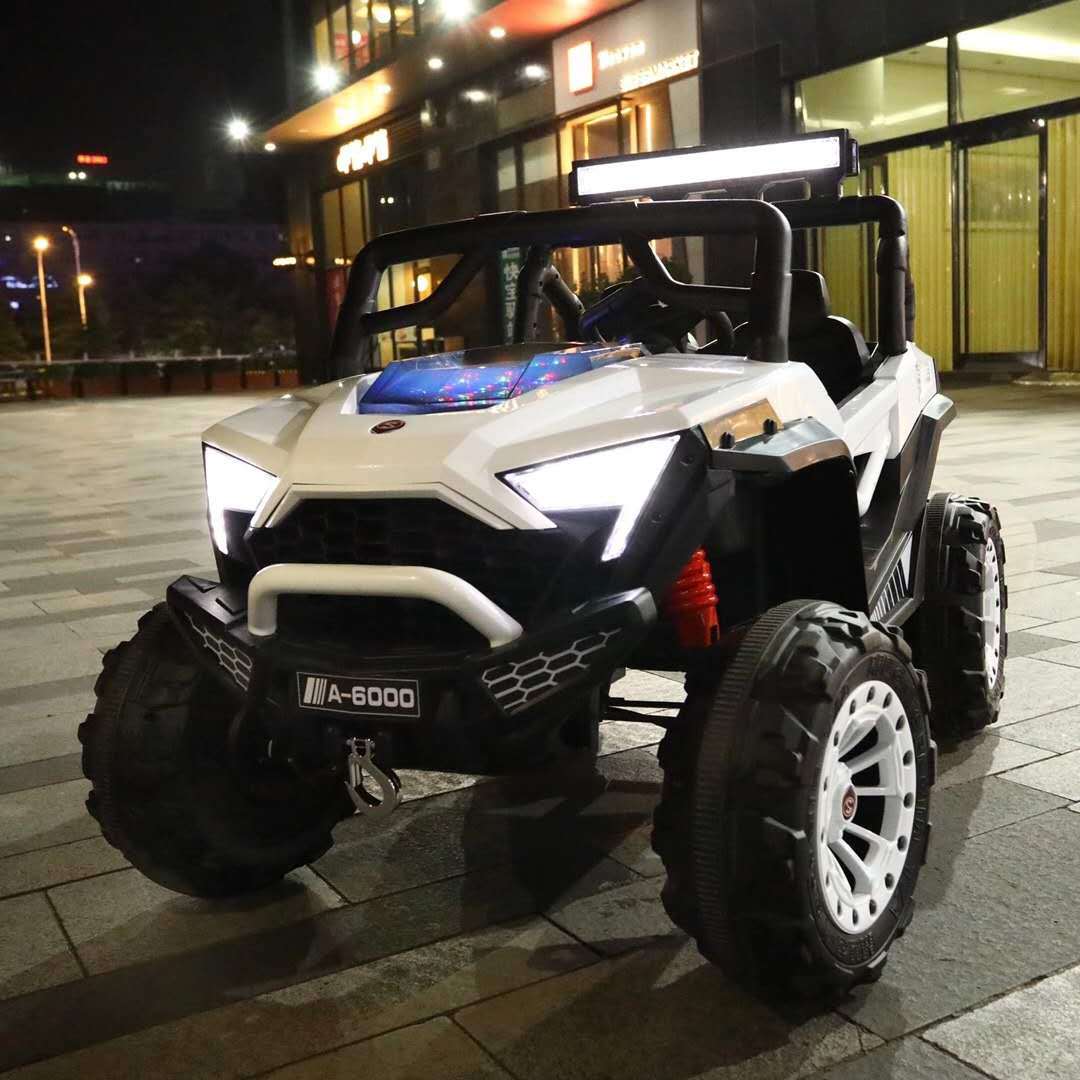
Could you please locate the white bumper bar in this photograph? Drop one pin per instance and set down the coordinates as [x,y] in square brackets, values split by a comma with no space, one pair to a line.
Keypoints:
[411,582]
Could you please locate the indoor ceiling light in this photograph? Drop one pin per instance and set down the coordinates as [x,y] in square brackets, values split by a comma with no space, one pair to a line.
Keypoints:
[383,88]
[325,78]
[534,71]
[475,96]
[238,129]
[456,10]
[1022,46]
[270,147]
[435,63]
[497,32]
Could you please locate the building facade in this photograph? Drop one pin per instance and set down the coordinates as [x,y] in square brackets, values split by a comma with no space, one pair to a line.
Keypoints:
[424,111]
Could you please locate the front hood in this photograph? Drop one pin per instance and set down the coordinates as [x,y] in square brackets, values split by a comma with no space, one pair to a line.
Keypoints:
[319,442]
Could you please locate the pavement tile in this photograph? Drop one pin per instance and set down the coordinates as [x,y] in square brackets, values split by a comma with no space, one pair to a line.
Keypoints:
[1056,731]
[656,1012]
[35,954]
[42,636]
[1034,687]
[1049,529]
[81,602]
[307,1018]
[34,664]
[1034,579]
[107,630]
[1050,602]
[42,817]
[437,1048]
[982,755]
[116,1003]
[1057,775]
[33,695]
[906,1059]
[619,919]
[617,735]
[125,918]
[965,810]
[1057,652]
[26,735]
[1067,630]
[991,914]
[511,823]
[57,865]
[1016,621]
[34,774]
[1021,1036]
[1034,643]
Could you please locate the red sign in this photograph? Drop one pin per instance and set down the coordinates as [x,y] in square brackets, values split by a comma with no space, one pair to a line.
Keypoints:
[91,159]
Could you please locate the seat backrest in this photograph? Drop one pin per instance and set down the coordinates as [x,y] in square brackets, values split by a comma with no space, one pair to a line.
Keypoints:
[832,346]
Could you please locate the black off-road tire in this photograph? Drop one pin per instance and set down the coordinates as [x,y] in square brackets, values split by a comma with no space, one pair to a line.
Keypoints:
[735,825]
[950,633]
[164,791]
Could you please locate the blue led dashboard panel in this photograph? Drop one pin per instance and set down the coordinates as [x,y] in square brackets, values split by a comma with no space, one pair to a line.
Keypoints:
[479,378]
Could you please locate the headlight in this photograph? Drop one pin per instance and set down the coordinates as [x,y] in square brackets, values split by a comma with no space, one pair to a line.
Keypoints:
[621,478]
[231,484]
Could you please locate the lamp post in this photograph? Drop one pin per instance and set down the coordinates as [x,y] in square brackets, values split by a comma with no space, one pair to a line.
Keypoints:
[80,284]
[41,245]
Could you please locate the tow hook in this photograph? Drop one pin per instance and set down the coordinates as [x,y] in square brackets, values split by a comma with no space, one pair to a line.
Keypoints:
[361,762]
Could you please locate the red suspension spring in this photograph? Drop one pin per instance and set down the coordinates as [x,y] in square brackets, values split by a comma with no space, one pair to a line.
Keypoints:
[691,604]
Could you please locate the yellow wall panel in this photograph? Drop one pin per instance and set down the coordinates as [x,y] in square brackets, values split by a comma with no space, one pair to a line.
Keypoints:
[920,180]
[1063,309]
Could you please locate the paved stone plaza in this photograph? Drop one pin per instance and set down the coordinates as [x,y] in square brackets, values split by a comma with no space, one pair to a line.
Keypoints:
[503,929]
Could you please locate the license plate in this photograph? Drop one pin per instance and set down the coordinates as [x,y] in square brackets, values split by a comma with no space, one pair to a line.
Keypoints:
[358,696]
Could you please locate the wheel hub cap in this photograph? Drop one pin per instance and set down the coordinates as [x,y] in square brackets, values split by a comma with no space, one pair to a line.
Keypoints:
[865,806]
[991,616]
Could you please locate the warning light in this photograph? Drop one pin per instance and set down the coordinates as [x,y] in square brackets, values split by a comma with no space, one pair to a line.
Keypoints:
[91,159]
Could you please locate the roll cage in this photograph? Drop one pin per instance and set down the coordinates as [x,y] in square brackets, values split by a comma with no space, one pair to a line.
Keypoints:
[764,304]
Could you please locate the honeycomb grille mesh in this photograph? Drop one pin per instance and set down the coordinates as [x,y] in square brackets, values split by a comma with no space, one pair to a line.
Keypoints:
[235,661]
[514,567]
[518,684]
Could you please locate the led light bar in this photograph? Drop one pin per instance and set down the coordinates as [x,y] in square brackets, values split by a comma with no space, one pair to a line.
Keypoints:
[822,158]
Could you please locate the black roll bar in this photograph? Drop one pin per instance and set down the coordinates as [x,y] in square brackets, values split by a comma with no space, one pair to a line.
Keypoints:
[895,320]
[476,240]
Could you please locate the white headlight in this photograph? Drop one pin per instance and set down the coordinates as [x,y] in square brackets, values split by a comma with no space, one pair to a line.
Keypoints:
[231,484]
[621,478]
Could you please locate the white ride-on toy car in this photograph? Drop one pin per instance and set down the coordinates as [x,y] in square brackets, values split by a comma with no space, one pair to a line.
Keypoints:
[444,562]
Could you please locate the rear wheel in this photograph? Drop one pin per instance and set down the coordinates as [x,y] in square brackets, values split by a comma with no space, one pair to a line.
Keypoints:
[167,791]
[960,640]
[794,815]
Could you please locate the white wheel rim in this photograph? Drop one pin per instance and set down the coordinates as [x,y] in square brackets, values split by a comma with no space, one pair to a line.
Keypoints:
[991,616]
[865,806]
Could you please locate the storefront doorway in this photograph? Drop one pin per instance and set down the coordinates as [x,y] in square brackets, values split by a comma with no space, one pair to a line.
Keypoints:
[1002,298]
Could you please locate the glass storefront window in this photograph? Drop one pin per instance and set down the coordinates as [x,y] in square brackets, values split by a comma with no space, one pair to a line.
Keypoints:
[880,99]
[382,33]
[339,27]
[1019,63]
[404,23]
[360,35]
[321,35]
[333,236]
[506,181]
[352,212]
[540,173]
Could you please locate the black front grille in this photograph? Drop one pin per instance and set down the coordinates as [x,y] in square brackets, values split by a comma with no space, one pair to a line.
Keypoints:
[520,570]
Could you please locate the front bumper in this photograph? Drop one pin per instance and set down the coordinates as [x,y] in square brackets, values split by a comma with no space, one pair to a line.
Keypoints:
[514,684]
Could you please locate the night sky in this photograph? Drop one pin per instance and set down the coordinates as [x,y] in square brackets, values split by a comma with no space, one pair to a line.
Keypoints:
[150,84]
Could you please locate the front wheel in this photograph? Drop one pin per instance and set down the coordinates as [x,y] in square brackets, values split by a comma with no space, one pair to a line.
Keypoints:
[960,636]
[166,788]
[794,816]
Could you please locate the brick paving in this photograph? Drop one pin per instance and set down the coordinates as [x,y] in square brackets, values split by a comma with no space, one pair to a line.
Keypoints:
[503,928]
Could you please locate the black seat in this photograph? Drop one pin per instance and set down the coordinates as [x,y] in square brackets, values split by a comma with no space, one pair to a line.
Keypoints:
[832,346]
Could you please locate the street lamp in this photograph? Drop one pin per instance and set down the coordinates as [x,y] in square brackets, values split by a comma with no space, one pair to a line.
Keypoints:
[238,129]
[80,285]
[41,245]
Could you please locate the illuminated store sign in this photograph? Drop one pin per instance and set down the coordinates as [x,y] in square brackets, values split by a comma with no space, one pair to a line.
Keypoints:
[91,159]
[579,68]
[647,42]
[621,54]
[662,69]
[359,154]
